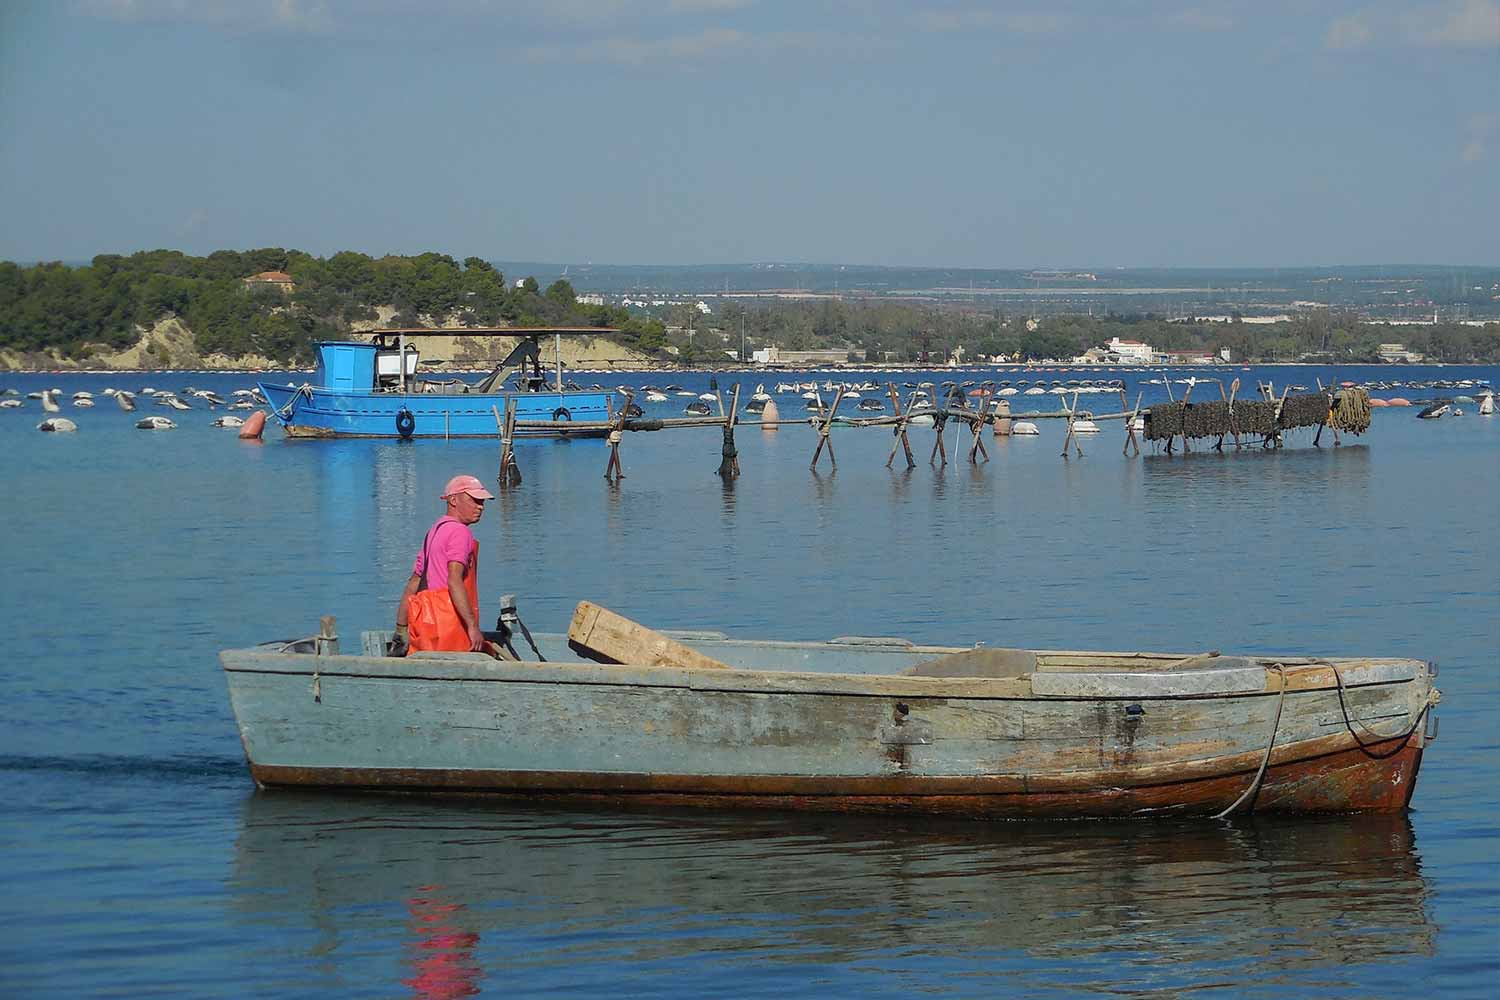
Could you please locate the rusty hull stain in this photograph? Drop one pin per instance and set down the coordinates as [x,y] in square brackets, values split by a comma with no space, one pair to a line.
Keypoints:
[1335,777]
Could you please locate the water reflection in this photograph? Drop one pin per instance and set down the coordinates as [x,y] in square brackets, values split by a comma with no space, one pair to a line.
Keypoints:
[726,492]
[554,890]
[441,950]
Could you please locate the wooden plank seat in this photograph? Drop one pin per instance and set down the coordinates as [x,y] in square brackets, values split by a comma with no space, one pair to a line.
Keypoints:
[984,661]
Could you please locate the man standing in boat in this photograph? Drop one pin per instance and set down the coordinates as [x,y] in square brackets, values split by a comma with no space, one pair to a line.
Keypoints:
[439,607]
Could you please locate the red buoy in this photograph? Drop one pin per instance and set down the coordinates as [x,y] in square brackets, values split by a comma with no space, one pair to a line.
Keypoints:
[253,427]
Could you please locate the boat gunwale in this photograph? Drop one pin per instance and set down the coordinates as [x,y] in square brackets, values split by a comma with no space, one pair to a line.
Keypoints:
[1317,676]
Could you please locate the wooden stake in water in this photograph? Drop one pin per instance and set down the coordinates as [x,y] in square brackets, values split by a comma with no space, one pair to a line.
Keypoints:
[614,470]
[977,426]
[823,428]
[1130,422]
[902,419]
[1072,437]
[510,472]
[1185,397]
[729,462]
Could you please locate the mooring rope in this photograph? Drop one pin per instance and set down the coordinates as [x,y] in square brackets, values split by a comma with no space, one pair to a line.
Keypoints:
[1349,723]
[1265,761]
[1400,738]
[285,412]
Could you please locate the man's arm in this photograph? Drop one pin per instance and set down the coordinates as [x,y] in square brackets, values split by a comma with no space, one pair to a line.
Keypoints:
[460,595]
[412,583]
[402,638]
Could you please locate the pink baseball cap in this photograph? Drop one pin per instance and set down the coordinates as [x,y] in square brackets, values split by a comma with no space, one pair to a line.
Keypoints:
[466,484]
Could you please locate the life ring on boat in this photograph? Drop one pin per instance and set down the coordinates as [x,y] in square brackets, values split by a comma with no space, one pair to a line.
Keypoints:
[405,423]
[561,414]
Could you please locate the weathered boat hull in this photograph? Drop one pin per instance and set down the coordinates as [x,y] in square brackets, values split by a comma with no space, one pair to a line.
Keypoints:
[1343,781]
[1124,739]
[315,412]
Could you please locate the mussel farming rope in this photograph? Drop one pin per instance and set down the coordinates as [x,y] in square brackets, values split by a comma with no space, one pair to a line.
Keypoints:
[1348,410]
[1351,411]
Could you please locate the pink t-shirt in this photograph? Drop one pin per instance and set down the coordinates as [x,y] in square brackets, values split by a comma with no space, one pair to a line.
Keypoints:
[448,544]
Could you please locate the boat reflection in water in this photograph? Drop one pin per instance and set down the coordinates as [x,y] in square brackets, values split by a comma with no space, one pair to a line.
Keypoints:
[445,899]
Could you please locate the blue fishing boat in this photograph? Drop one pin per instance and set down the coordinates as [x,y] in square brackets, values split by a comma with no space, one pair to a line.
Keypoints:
[375,390]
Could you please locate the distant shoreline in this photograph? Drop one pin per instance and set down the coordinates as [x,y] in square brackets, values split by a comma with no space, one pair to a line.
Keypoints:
[851,369]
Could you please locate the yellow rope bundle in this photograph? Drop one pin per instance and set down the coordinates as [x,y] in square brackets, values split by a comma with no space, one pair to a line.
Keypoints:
[1351,411]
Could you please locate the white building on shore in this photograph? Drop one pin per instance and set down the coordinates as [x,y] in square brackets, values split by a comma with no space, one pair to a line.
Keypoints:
[1131,351]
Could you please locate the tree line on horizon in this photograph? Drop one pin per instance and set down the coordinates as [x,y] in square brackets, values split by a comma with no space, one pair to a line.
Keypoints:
[109,302]
[873,330]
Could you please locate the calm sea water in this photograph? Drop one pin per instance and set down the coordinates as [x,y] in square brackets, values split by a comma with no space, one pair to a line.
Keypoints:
[138,859]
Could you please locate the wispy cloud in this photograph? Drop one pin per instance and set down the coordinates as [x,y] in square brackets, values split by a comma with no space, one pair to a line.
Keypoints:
[325,14]
[283,15]
[1038,22]
[1455,23]
[711,43]
[1465,22]
[1200,19]
[1352,31]
[631,51]
[710,6]
[1482,128]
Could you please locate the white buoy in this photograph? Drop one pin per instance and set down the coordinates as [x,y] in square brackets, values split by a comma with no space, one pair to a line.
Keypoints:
[57,425]
[1002,421]
[769,416]
[1024,428]
[156,424]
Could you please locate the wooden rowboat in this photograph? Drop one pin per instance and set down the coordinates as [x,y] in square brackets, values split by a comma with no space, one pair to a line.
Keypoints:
[852,724]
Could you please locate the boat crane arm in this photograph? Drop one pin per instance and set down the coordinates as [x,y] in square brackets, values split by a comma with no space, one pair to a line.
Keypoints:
[526,350]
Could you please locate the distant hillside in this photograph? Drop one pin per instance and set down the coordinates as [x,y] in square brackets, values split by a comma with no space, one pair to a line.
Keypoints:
[162,307]
[1392,291]
[261,308]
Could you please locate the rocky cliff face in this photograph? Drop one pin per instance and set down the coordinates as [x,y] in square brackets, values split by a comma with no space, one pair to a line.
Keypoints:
[168,344]
[171,344]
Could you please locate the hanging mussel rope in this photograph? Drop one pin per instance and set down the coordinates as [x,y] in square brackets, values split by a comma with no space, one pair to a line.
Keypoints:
[1308,409]
[1351,411]
[1212,419]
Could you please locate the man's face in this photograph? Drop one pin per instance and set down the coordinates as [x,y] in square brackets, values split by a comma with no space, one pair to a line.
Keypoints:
[465,508]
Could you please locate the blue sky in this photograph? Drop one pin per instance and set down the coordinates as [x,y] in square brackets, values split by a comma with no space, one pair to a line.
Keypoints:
[1278,132]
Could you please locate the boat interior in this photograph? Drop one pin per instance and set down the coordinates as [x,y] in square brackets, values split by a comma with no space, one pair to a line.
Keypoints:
[876,655]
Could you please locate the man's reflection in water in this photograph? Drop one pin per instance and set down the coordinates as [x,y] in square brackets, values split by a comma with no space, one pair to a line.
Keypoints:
[442,954]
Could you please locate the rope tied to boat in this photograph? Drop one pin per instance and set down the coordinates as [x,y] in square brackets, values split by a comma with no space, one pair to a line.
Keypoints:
[1433,697]
[286,411]
[1249,794]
